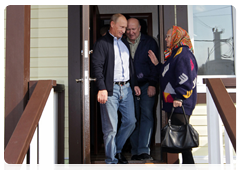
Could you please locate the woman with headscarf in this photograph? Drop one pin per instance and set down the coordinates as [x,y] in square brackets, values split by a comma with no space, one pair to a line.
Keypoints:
[178,78]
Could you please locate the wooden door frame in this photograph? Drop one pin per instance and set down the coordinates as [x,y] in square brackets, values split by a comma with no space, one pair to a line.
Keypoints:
[78,62]
[86,83]
[74,89]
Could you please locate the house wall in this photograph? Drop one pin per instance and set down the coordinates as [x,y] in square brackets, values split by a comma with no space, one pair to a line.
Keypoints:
[49,49]
[49,59]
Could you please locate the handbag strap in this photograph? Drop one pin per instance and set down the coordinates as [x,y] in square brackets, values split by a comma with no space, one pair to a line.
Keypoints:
[173,108]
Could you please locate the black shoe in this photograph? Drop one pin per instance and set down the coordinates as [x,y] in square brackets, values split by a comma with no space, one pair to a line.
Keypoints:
[145,156]
[135,157]
[121,158]
[111,167]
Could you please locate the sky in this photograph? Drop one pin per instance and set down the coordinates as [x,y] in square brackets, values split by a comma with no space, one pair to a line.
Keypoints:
[205,18]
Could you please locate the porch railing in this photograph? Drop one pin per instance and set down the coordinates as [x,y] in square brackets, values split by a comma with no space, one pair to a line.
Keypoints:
[27,134]
[220,109]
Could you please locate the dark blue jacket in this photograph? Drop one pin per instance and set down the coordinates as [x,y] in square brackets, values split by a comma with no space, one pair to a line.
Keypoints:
[144,68]
[102,61]
[179,80]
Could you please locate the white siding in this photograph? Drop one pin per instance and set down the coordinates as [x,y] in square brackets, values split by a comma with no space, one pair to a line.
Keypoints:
[49,49]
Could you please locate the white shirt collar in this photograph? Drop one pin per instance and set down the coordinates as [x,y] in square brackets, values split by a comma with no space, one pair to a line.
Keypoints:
[114,36]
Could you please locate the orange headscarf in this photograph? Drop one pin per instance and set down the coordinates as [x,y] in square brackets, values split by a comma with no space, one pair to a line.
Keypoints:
[180,37]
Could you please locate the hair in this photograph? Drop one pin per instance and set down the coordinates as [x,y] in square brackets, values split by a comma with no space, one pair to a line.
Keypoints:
[115,17]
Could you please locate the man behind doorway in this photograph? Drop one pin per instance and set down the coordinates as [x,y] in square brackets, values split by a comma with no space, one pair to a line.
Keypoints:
[112,66]
[147,79]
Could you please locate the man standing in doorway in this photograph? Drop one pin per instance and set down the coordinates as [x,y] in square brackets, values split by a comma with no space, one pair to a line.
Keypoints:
[147,79]
[112,66]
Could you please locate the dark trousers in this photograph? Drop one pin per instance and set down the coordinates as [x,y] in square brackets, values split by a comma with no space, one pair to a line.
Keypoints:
[179,119]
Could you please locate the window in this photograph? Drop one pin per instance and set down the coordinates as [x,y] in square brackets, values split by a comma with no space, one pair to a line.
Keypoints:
[213,39]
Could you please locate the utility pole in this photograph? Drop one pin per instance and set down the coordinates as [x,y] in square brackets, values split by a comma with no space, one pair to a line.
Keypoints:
[217,43]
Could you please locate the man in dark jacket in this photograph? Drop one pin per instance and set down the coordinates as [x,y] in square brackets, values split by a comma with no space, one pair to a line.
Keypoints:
[112,66]
[147,79]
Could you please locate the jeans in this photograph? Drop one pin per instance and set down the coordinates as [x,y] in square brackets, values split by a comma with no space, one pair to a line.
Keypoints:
[121,100]
[140,139]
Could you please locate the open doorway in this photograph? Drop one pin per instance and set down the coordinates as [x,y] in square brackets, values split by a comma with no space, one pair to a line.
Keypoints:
[100,18]
[84,114]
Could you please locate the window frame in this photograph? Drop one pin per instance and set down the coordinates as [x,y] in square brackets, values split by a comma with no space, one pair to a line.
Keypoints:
[201,88]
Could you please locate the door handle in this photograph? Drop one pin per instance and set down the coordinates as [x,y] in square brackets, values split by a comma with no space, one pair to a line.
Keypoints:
[91,51]
[79,80]
[90,79]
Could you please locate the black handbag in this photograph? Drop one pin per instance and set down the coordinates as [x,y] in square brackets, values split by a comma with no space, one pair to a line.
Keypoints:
[177,138]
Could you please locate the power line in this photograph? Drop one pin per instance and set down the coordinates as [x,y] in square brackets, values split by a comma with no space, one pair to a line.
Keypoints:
[203,23]
[227,54]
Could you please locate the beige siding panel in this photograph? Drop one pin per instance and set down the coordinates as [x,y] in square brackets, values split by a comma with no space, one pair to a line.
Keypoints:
[202,130]
[49,32]
[49,52]
[48,42]
[66,97]
[49,13]
[200,110]
[39,7]
[200,151]
[49,62]
[49,23]
[50,72]
[198,120]
[60,80]
[203,141]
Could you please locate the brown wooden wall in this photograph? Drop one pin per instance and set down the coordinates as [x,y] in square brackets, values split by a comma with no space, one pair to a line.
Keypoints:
[17,65]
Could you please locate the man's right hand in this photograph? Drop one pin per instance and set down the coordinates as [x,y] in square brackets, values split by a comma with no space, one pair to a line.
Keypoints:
[102,96]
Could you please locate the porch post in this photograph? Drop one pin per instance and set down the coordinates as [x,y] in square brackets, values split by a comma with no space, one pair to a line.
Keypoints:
[215,147]
[74,89]
[17,65]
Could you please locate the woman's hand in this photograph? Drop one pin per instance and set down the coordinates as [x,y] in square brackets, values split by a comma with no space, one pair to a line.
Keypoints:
[153,57]
[177,103]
